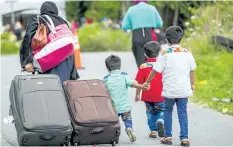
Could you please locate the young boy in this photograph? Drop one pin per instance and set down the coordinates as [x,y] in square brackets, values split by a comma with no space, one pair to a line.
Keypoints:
[177,66]
[117,83]
[152,98]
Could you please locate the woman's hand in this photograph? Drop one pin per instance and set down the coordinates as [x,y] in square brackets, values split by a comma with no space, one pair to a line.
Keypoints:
[29,67]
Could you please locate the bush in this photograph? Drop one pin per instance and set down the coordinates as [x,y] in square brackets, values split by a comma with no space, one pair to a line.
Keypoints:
[5,36]
[214,63]
[8,36]
[9,47]
[204,23]
[97,38]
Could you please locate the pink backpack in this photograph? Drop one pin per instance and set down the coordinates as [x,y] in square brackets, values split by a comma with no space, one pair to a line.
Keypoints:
[59,47]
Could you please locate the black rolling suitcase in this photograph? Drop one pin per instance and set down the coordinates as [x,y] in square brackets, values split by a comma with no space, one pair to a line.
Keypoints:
[40,111]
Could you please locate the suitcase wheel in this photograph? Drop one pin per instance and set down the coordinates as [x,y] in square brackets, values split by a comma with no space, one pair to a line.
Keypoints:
[114,143]
[76,133]
[76,144]
[24,142]
[64,144]
[68,138]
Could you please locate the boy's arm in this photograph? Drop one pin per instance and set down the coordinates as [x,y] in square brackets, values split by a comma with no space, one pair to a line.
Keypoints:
[146,85]
[192,79]
[138,95]
[130,82]
[135,84]
[141,79]
[192,73]
[158,67]
[151,76]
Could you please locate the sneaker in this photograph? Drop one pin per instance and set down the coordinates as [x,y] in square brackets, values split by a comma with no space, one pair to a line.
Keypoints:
[131,134]
[160,128]
[153,134]
[166,140]
[185,142]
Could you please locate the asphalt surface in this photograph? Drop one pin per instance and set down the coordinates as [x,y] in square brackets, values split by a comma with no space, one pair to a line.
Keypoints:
[206,127]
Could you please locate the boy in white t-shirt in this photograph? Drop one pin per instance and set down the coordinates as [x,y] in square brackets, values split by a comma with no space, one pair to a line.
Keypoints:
[177,66]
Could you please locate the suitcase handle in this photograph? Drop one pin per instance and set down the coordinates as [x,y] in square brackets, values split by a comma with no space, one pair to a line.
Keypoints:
[97,130]
[47,137]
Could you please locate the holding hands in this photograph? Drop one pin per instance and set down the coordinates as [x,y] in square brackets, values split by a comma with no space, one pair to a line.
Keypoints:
[146,86]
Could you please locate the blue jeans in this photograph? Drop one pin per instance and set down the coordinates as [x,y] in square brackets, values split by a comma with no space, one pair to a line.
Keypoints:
[127,119]
[154,113]
[181,104]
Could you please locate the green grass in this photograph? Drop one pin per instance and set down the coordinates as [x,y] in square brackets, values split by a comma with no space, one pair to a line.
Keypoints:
[215,67]
[214,63]
[217,70]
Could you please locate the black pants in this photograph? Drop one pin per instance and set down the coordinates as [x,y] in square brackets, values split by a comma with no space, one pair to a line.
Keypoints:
[139,39]
[138,53]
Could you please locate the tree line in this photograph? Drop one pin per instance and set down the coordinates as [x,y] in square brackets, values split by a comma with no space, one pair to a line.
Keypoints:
[172,12]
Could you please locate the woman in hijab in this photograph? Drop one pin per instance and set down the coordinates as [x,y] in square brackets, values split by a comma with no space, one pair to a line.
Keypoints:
[65,70]
[143,19]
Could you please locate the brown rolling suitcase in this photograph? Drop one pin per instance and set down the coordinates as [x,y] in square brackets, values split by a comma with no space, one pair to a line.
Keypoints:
[93,116]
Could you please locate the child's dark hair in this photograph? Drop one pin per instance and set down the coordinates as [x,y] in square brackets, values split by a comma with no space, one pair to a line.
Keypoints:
[174,34]
[152,49]
[113,62]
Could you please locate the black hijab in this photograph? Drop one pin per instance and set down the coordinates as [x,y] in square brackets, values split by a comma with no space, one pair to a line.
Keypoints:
[49,8]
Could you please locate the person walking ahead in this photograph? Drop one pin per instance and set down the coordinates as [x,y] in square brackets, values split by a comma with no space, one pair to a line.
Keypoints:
[66,70]
[142,19]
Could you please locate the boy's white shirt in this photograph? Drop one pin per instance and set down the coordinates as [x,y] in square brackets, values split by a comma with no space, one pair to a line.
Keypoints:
[175,69]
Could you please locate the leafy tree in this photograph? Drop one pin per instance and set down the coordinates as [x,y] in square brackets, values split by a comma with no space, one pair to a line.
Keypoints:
[177,11]
[100,9]
[172,12]
[76,9]
[71,10]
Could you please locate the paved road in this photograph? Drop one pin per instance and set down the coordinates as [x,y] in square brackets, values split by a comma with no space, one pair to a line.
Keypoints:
[206,127]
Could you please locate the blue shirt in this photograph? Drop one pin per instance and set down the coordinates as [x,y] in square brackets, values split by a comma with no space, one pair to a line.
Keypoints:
[142,15]
[117,83]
